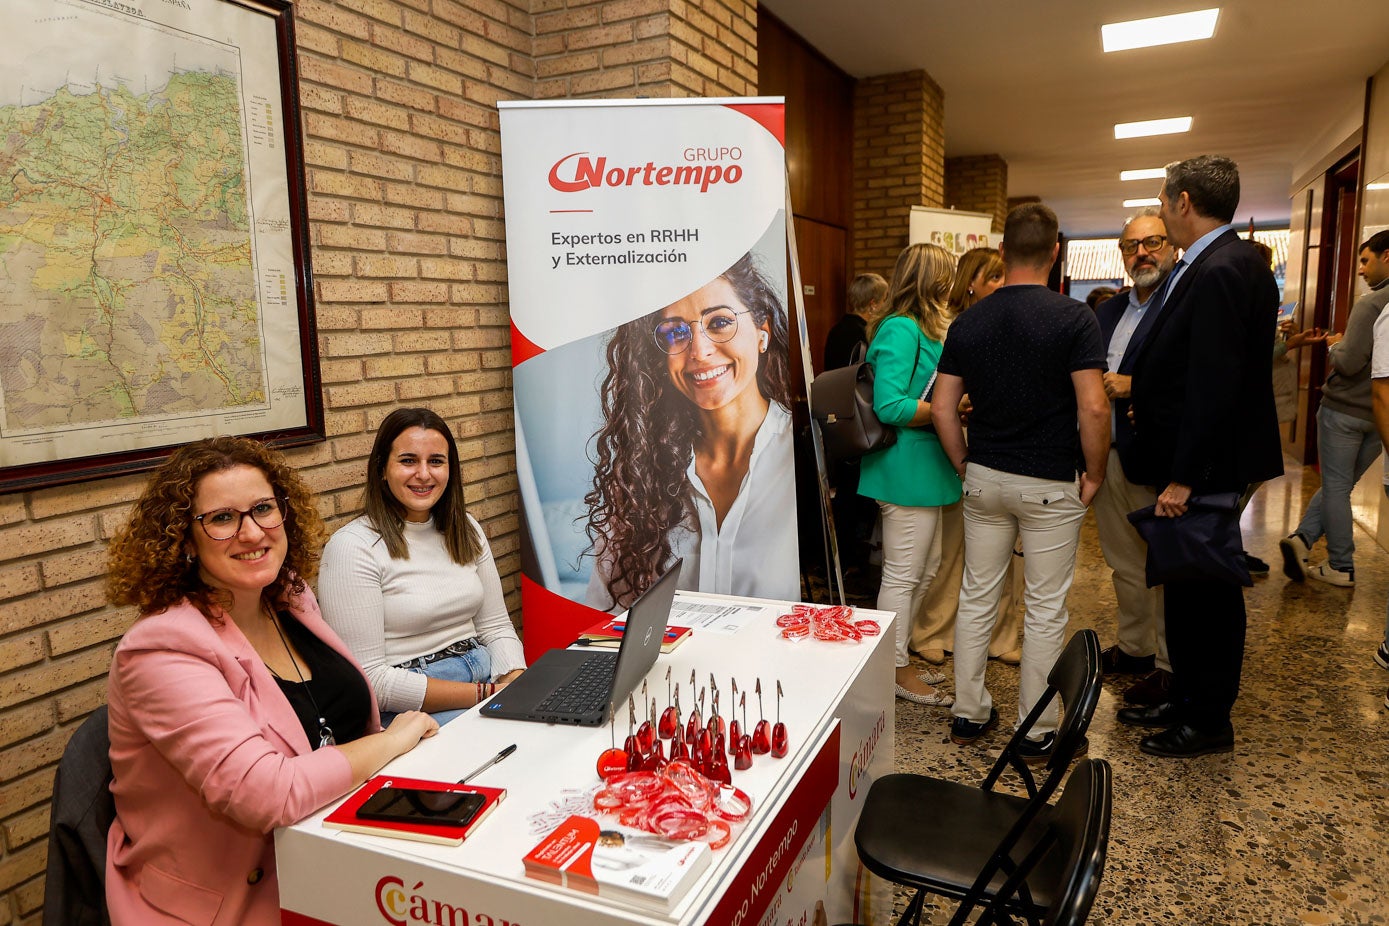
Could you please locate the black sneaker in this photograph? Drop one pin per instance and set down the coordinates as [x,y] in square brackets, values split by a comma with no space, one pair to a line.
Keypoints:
[964,731]
[1382,656]
[1114,661]
[1034,752]
[1257,567]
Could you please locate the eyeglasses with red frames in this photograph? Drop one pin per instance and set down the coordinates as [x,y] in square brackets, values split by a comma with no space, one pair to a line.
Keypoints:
[225,523]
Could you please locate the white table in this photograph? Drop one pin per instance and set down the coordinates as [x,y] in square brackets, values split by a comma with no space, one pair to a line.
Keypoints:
[794,853]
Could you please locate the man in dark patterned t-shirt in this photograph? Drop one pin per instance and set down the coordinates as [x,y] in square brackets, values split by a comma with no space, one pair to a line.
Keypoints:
[1032,362]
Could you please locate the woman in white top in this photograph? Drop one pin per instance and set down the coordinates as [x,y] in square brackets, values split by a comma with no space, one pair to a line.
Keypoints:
[411,586]
[695,455]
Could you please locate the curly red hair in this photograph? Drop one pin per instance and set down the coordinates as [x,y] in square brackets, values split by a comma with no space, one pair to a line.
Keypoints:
[147,562]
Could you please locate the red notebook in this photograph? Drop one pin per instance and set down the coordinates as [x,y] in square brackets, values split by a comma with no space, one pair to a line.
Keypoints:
[345,817]
[609,633]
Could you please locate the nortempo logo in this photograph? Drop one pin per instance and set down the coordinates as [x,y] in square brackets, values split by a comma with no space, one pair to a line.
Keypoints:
[587,172]
[400,907]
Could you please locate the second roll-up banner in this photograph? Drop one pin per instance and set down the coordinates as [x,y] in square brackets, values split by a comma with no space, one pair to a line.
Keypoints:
[646,258]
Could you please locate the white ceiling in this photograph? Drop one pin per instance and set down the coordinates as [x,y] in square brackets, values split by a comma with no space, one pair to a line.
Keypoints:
[1027,80]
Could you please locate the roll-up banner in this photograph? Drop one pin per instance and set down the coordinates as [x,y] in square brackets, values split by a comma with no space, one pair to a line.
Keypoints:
[646,259]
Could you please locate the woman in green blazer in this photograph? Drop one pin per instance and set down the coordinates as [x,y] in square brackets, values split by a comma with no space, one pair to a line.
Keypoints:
[912,479]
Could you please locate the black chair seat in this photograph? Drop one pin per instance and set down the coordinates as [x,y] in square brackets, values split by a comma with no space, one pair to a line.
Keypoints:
[954,830]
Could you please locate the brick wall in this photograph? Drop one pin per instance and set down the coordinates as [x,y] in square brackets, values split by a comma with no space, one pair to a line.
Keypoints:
[645,48]
[978,183]
[899,162]
[403,170]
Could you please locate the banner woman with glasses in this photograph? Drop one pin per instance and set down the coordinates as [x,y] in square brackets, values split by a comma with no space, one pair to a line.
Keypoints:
[694,458]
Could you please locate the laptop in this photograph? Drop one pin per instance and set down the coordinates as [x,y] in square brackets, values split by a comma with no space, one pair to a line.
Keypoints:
[579,687]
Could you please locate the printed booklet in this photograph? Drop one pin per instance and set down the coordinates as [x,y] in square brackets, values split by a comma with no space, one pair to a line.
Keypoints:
[618,863]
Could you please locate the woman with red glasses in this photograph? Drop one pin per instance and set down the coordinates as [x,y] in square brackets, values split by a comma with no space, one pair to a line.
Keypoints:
[234,709]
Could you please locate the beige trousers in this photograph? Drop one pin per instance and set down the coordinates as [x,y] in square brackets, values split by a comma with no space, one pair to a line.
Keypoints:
[1141,630]
[934,623]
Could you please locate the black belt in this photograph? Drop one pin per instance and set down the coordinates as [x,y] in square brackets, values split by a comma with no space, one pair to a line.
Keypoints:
[453,649]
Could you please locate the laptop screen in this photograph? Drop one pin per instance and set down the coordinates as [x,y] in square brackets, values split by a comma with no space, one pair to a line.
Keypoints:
[646,628]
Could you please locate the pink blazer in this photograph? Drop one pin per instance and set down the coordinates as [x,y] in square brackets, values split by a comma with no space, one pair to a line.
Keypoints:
[208,758]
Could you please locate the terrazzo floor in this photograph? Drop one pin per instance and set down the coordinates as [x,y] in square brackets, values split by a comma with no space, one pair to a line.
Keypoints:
[1290,829]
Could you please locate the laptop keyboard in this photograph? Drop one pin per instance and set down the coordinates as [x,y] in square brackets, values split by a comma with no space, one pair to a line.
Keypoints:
[588,691]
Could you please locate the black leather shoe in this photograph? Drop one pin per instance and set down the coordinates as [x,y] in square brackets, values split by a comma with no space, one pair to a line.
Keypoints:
[1150,690]
[1165,714]
[1185,742]
[1115,661]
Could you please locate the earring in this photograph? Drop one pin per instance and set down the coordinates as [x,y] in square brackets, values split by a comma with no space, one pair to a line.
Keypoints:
[762,341]
[971,290]
[188,558]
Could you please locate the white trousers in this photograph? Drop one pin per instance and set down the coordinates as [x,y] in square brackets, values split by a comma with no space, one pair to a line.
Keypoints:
[907,536]
[1141,629]
[1046,514]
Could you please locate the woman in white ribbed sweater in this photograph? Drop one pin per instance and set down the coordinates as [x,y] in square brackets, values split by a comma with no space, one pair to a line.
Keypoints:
[411,586]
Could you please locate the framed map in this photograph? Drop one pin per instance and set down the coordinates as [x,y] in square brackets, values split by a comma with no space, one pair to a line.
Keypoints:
[154,264]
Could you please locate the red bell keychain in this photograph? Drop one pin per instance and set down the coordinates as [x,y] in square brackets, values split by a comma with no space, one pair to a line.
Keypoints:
[646,733]
[716,725]
[670,717]
[762,733]
[743,744]
[613,760]
[632,747]
[679,749]
[735,729]
[780,743]
[695,720]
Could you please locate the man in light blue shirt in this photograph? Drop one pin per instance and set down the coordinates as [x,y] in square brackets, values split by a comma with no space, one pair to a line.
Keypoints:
[1124,321]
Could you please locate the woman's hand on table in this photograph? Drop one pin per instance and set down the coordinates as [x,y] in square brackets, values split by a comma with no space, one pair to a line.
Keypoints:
[409,727]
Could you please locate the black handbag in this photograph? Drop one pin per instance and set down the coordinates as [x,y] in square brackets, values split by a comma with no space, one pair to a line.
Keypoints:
[1203,544]
[841,401]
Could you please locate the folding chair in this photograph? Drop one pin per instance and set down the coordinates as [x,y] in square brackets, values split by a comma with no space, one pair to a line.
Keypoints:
[948,838]
[1067,862]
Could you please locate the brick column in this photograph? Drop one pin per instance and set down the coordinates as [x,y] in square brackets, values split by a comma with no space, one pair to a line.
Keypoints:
[899,162]
[649,48]
[403,170]
[978,183]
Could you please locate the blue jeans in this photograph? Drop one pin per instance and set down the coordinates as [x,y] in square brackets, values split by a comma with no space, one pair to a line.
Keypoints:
[1346,446]
[473,666]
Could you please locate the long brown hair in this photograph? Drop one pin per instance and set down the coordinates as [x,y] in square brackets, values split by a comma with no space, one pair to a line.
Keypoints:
[387,514]
[920,285]
[148,565]
[640,490]
[973,262]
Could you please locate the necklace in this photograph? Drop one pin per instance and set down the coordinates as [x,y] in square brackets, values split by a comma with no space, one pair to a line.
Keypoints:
[325,732]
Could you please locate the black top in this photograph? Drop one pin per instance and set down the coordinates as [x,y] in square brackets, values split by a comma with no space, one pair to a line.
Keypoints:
[1016,350]
[335,683]
[847,333]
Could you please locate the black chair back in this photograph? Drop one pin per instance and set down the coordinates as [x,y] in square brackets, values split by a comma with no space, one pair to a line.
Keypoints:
[1079,831]
[81,813]
[1075,678]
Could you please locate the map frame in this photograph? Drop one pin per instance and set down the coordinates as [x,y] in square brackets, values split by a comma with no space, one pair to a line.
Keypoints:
[299,415]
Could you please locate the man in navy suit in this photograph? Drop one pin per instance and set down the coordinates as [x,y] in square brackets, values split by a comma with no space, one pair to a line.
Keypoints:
[1125,320]
[1204,422]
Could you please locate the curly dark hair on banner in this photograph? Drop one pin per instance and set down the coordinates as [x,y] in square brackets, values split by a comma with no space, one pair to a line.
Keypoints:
[640,489]
[148,565]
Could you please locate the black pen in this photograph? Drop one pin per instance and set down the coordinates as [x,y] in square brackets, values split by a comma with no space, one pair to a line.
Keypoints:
[488,764]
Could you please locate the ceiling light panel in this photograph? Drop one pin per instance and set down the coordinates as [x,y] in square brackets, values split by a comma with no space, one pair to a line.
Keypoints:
[1146,173]
[1152,127]
[1159,30]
